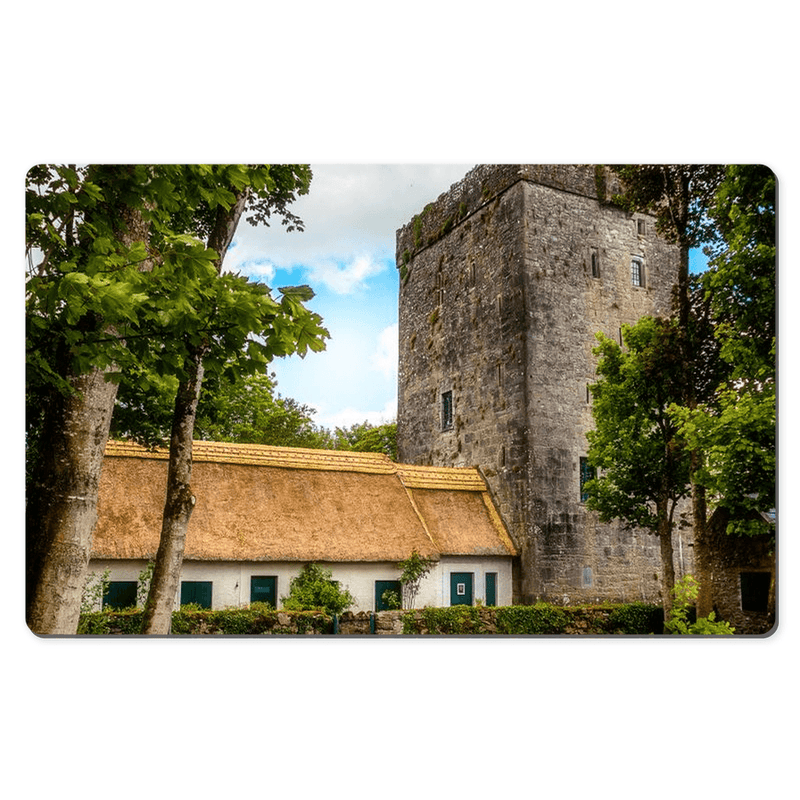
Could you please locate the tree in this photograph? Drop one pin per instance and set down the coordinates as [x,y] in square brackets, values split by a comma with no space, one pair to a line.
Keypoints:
[726,415]
[413,570]
[261,330]
[735,427]
[119,283]
[367,438]
[679,195]
[250,411]
[642,461]
[85,234]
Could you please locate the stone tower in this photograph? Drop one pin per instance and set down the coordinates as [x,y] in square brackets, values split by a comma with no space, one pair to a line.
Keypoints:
[505,280]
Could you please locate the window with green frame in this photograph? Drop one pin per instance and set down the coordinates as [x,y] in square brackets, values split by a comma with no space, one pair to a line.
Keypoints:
[120,594]
[198,592]
[587,474]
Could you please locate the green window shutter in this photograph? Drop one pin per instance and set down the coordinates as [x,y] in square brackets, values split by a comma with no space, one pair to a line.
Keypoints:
[491,588]
[120,594]
[264,589]
[196,592]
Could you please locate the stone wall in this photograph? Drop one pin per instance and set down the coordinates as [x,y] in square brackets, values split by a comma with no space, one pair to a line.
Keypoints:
[504,282]
[737,561]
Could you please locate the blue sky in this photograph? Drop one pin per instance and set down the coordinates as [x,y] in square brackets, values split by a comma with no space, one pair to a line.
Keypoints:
[347,255]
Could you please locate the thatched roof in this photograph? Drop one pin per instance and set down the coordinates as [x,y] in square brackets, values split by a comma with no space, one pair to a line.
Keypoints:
[260,503]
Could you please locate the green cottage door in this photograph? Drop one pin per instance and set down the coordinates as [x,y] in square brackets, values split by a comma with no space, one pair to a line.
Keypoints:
[264,589]
[491,588]
[460,588]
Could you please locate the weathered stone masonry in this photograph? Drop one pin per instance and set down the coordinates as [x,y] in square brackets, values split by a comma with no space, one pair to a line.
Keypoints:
[505,280]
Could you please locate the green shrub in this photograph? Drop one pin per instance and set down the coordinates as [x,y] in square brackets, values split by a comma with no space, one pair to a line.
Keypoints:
[635,618]
[111,622]
[685,593]
[314,589]
[454,620]
[541,618]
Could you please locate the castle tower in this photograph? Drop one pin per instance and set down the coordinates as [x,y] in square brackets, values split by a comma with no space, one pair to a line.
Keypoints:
[505,280]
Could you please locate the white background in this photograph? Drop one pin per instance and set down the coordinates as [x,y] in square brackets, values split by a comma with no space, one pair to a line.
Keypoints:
[357,82]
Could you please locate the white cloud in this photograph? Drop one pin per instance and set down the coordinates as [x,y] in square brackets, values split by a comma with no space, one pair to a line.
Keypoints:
[346,417]
[343,278]
[384,359]
[351,215]
[246,257]
[346,254]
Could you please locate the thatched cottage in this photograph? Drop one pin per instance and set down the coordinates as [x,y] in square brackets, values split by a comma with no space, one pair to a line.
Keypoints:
[263,512]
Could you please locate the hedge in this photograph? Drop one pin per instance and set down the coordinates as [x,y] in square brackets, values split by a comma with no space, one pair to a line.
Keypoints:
[539,619]
[258,619]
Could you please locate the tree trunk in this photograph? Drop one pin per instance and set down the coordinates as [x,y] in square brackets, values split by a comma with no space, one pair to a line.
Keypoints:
[180,500]
[178,506]
[702,559]
[702,568]
[61,509]
[667,563]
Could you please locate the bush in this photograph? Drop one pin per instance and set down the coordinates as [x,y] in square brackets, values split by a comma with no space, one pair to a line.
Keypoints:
[685,593]
[636,618]
[541,618]
[314,589]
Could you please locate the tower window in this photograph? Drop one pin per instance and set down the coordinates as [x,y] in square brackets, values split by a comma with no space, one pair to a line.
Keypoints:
[641,227]
[637,272]
[587,474]
[447,410]
[595,265]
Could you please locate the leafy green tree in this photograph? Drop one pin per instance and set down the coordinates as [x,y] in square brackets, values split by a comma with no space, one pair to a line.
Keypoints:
[643,466]
[314,588]
[736,427]
[367,438]
[678,196]
[413,570]
[86,267]
[250,411]
[726,414]
[259,329]
[118,283]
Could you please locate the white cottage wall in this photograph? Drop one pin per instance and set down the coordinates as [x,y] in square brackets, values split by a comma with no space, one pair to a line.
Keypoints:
[231,579]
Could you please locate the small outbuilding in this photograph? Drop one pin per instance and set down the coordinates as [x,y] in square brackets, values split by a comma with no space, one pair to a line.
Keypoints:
[264,512]
[743,574]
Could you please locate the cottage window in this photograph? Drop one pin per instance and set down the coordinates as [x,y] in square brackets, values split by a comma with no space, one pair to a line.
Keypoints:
[755,590]
[198,592]
[120,594]
[637,272]
[384,600]
[587,474]
[447,411]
